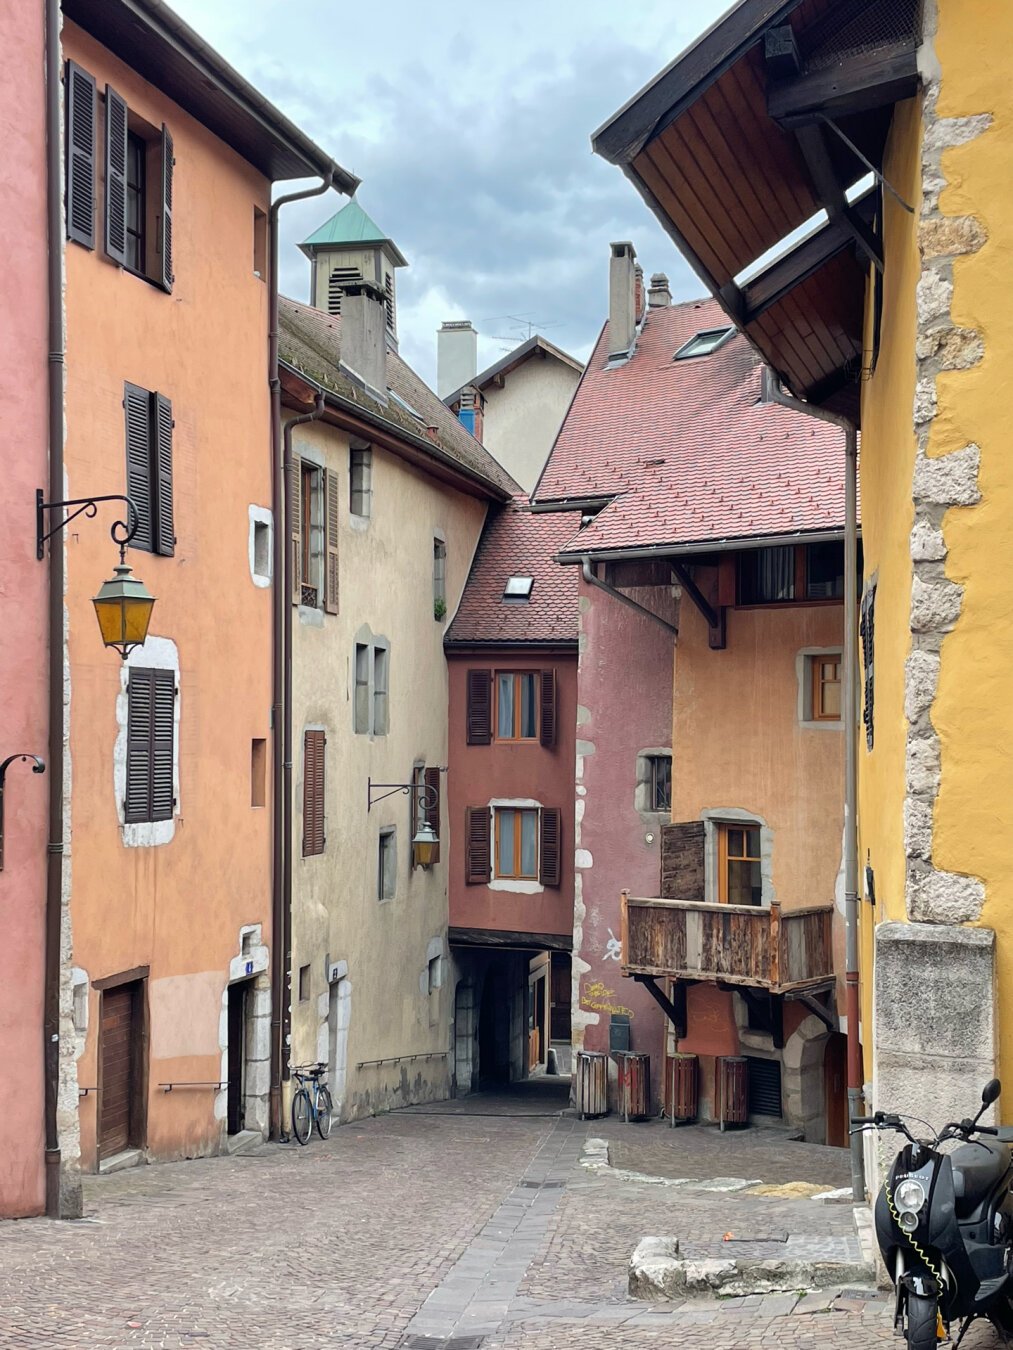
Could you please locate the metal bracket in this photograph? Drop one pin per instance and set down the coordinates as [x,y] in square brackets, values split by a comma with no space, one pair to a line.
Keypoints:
[428,796]
[39,766]
[122,531]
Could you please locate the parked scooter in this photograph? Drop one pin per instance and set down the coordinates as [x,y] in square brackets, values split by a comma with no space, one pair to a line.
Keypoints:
[944,1223]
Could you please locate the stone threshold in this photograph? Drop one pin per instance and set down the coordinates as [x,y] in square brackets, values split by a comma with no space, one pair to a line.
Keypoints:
[658,1272]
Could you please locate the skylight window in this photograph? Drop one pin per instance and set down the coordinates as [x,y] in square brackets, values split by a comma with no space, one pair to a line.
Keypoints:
[517,590]
[703,343]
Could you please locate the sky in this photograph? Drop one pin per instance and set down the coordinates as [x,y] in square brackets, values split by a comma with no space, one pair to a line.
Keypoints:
[470,125]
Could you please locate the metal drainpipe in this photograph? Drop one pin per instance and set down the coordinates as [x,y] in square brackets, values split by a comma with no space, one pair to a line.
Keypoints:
[772,393]
[592,580]
[281,614]
[54,859]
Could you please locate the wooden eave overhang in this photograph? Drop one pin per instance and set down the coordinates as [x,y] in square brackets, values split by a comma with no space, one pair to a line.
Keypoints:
[154,41]
[299,392]
[761,128]
[699,548]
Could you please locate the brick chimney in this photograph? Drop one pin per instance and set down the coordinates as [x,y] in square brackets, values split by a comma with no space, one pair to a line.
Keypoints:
[363,335]
[639,298]
[622,299]
[456,356]
[659,294]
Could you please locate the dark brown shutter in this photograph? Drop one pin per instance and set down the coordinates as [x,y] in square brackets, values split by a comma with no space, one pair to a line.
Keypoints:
[295,525]
[165,533]
[167,162]
[432,777]
[137,407]
[314,748]
[163,731]
[550,853]
[81,110]
[116,176]
[478,842]
[547,708]
[479,707]
[682,861]
[140,725]
[332,521]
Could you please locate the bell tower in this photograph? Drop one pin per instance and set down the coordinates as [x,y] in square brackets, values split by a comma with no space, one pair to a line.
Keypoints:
[351,248]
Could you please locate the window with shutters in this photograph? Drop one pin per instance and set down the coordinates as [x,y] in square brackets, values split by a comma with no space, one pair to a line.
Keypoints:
[139,167]
[519,706]
[151,723]
[516,854]
[314,761]
[314,516]
[149,428]
[513,846]
[388,303]
[81,106]
[867,631]
[360,481]
[371,668]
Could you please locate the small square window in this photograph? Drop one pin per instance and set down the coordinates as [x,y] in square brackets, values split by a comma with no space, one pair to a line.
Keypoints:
[518,589]
[259,243]
[660,784]
[387,865]
[261,549]
[824,687]
[258,772]
[703,343]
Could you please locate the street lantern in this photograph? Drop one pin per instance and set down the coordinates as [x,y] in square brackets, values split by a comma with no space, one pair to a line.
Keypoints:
[123,607]
[425,844]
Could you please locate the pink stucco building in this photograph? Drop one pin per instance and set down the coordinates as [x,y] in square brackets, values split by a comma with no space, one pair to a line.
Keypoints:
[23,724]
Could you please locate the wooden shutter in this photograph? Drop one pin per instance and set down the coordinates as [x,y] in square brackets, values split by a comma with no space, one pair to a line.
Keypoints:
[550,852]
[682,861]
[331,504]
[116,177]
[137,407]
[547,708]
[295,525]
[432,779]
[162,735]
[479,707]
[314,748]
[478,843]
[140,724]
[81,112]
[868,635]
[167,163]
[165,533]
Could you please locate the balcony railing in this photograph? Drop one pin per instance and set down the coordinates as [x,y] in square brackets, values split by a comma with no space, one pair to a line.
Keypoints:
[734,944]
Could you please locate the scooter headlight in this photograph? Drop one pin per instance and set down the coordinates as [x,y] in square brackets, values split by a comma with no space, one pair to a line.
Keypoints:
[909,1198]
[908,1220]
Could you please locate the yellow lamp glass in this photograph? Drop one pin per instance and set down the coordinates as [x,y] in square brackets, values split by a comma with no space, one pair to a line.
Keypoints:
[425,844]
[123,607]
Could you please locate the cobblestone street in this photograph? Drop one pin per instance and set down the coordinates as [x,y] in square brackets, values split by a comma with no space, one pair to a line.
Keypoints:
[470,1225]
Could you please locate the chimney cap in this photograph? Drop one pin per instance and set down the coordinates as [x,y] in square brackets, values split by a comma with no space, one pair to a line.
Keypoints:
[449,324]
[362,286]
[659,279]
[623,248]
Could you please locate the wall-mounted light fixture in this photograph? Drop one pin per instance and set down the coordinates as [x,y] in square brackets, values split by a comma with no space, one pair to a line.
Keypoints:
[123,605]
[38,766]
[426,840]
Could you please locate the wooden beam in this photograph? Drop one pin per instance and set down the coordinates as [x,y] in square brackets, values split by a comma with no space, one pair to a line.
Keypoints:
[830,192]
[495,937]
[818,1009]
[674,1008]
[780,52]
[696,595]
[858,84]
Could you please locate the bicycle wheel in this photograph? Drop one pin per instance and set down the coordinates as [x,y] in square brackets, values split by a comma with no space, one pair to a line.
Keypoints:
[323,1113]
[302,1115]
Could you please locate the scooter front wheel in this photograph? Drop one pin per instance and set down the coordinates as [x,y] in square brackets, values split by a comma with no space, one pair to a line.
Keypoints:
[922,1322]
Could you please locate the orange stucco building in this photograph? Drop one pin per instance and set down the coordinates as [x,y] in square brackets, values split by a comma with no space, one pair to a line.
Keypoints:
[167,400]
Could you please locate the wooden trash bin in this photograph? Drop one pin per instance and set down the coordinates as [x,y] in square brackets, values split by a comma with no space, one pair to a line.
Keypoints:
[681,1088]
[634,1086]
[592,1084]
[732,1090]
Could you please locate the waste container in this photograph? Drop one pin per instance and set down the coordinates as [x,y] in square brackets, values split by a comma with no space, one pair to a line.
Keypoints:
[592,1084]
[733,1097]
[634,1086]
[681,1091]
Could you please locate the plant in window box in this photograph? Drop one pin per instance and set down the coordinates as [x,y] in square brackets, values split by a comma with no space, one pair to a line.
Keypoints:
[439,608]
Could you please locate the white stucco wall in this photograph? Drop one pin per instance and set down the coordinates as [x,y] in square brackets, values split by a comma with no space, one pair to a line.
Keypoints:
[384,948]
[522,418]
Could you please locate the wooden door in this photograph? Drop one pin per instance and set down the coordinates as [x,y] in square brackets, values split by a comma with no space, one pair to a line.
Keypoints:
[118,1038]
[237,1058]
[835,1084]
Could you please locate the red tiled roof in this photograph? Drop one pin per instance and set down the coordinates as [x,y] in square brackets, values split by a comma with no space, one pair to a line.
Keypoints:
[518,542]
[686,449]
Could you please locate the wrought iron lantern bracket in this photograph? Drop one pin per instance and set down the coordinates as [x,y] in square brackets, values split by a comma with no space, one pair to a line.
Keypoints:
[121,531]
[38,766]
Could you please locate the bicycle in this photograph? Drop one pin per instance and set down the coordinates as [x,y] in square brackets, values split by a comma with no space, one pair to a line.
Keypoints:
[311,1103]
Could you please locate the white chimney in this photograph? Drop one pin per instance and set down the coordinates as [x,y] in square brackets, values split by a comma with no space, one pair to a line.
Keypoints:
[363,335]
[659,294]
[456,356]
[622,299]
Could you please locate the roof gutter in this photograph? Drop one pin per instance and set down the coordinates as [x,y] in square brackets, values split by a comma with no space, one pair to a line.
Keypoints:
[592,580]
[772,393]
[703,545]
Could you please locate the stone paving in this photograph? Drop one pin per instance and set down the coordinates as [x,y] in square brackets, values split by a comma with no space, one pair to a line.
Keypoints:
[469,1228]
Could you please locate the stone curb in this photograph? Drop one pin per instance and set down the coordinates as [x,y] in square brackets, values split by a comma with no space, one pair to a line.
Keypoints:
[658,1273]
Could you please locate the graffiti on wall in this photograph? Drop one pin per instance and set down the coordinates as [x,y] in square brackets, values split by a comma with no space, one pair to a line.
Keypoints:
[597,998]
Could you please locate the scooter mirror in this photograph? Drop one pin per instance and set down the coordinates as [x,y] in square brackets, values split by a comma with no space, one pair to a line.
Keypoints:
[990,1092]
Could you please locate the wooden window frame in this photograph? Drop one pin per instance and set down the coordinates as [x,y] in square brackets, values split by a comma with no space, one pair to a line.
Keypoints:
[652,784]
[516,874]
[723,828]
[817,684]
[800,581]
[517,676]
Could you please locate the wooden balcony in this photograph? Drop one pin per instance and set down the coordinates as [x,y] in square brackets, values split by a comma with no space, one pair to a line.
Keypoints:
[746,945]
